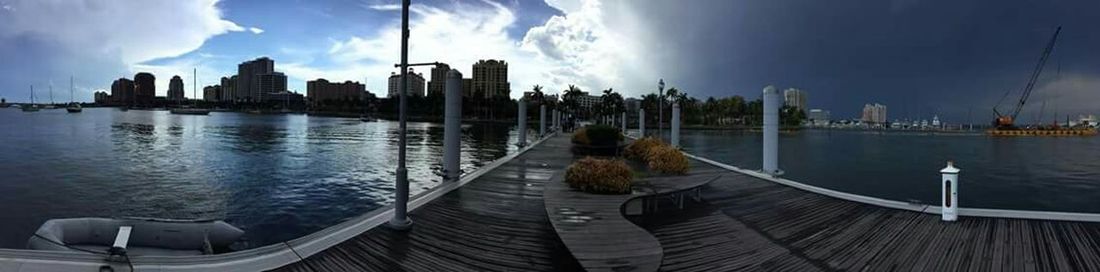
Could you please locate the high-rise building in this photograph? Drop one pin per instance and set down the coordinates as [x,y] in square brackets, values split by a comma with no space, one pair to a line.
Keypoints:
[175,89]
[122,91]
[229,89]
[490,79]
[212,93]
[874,113]
[145,88]
[264,84]
[416,84]
[794,98]
[467,88]
[321,91]
[102,97]
[439,80]
[588,102]
[246,88]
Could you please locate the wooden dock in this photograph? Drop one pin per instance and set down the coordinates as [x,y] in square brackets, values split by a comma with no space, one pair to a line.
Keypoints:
[498,222]
[495,223]
[747,223]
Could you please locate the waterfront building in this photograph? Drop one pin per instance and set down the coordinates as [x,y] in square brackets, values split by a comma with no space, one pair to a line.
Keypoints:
[101,97]
[285,98]
[228,89]
[439,80]
[795,98]
[212,93]
[632,105]
[588,102]
[936,121]
[874,113]
[818,117]
[264,84]
[490,79]
[122,91]
[175,89]
[467,88]
[322,91]
[145,88]
[416,84]
[248,82]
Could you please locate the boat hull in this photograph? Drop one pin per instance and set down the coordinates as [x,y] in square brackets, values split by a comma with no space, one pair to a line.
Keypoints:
[149,236]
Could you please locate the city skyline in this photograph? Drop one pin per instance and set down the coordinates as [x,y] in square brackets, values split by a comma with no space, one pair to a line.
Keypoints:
[920,57]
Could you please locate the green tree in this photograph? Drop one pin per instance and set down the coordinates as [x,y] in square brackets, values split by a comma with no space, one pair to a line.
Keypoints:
[570,100]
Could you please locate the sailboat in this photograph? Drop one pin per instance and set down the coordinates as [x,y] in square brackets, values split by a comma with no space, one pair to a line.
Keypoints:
[50,106]
[73,107]
[191,110]
[31,107]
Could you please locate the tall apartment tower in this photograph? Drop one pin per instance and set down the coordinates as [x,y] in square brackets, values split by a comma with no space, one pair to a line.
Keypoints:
[145,88]
[247,86]
[439,80]
[416,84]
[795,98]
[490,79]
[229,89]
[175,89]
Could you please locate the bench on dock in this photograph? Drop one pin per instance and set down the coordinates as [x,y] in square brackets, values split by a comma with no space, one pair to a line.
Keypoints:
[593,226]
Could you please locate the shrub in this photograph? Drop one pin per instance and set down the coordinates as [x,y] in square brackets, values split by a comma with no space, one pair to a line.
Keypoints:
[599,176]
[667,159]
[603,135]
[639,148]
[581,137]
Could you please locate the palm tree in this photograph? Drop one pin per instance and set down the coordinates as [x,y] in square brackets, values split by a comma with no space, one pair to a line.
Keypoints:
[570,99]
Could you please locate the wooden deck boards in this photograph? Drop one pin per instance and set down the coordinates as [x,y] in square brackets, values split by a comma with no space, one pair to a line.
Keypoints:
[747,223]
[495,223]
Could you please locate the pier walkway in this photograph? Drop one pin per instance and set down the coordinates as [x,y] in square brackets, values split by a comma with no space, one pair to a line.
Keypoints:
[747,223]
[496,222]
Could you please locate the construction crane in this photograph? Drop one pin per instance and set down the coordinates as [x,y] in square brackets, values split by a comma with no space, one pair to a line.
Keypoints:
[1005,121]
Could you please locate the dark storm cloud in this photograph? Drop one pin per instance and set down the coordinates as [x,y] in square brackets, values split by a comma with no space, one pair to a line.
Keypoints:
[918,57]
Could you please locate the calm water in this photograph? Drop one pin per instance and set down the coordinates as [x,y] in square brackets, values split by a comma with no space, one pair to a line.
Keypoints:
[1032,173]
[278,177]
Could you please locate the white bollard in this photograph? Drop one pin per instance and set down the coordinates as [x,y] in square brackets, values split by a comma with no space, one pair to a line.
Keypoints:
[676,125]
[522,119]
[641,123]
[452,126]
[771,131]
[624,123]
[950,198]
[542,121]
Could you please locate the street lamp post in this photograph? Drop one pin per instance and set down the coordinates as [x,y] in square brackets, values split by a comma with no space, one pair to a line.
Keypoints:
[660,109]
[400,220]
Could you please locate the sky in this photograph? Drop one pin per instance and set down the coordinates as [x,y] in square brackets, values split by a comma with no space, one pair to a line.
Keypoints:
[956,59]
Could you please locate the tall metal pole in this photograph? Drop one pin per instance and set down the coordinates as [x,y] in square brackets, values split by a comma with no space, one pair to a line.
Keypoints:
[660,109]
[400,219]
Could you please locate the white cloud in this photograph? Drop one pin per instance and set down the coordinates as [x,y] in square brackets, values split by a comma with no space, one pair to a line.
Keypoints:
[390,7]
[114,38]
[255,30]
[1070,94]
[577,48]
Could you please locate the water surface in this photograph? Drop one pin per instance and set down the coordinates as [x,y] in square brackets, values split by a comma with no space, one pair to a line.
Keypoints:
[278,177]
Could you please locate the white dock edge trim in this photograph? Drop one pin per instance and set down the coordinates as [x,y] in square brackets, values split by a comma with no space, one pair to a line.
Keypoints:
[923,208]
[256,259]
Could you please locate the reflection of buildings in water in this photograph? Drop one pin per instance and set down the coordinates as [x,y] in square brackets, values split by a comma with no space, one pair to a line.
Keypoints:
[253,138]
[126,134]
[488,141]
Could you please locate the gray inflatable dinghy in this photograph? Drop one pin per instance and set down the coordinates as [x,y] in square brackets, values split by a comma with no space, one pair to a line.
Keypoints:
[146,236]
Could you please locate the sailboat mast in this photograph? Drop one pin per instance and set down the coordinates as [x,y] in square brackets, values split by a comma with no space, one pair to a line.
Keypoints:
[195,84]
[71,99]
[32,94]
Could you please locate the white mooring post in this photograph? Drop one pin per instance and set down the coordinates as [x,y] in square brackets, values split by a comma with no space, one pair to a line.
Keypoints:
[641,123]
[542,121]
[950,197]
[771,131]
[557,120]
[676,125]
[452,126]
[624,123]
[522,122]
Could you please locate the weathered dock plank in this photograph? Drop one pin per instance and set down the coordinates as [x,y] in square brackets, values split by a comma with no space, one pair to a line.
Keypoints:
[747,223]
[495,223]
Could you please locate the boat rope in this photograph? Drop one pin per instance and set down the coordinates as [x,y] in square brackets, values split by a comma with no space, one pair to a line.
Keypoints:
[68,246]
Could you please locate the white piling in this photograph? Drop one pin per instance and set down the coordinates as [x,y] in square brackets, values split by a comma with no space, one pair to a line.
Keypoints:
[641,123]
[542,120]
[950,197]
[771,131]
[624,123]
[522,122]
[676,125]
[452,126]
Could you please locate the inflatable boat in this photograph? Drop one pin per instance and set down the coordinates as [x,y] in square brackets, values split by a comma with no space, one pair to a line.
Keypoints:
[143,236]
